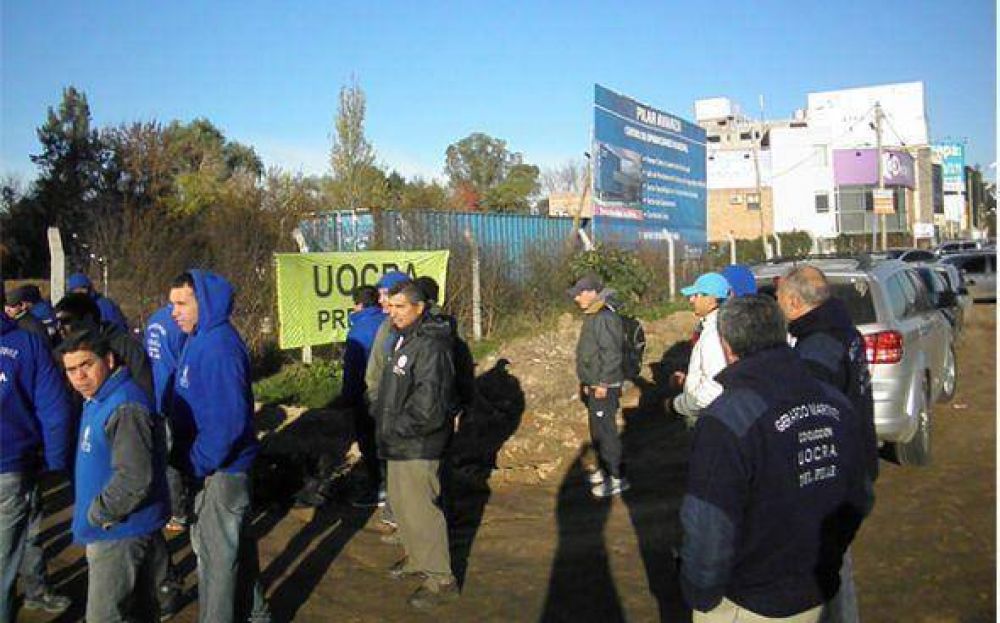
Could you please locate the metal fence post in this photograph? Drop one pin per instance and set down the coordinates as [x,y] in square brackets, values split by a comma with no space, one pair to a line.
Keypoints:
[671,261]
[57,266]
[777,244]
[732,247]
[477,304]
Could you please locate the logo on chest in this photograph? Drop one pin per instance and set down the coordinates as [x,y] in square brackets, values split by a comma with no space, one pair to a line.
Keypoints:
[399,368]
[85,445]
[182,379]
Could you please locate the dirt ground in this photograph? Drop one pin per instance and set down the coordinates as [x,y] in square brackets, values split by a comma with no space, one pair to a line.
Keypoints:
[528,542]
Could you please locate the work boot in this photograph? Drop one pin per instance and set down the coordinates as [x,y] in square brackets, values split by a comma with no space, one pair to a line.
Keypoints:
[432,594]
[400,570]
[48,601]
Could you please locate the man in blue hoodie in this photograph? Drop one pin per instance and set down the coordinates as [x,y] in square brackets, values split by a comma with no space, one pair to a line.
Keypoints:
[164,342]
[120,484]
[364,323]
[110,312]
[212,413]
[36,436]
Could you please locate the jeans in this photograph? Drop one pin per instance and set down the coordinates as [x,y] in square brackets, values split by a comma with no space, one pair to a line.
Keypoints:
[843,608]
[228,573]
[601,416]
[122,578]
[32,567]
[15,511]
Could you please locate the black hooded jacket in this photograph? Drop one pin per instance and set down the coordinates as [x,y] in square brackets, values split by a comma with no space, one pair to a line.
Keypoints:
[834,351]
[417,401]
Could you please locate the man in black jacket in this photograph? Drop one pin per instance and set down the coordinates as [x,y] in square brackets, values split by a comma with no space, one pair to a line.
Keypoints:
[414,418]
[834,352]
[599,368]
[776,485]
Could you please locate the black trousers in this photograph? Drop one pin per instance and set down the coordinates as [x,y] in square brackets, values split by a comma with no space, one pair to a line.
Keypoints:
[601,415]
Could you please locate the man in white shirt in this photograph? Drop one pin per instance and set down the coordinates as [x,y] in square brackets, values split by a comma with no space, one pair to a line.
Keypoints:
[707,358]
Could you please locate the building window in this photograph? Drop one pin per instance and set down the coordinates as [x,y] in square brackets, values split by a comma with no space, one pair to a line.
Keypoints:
[822,203]
[753,201]
[735,198]
[712,139]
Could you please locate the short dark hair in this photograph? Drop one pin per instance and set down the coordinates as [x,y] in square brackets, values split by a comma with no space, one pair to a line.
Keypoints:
[750,324]
[87,339]
[413,293]
[77,310]
[181,280]
[429,286]
[366,296]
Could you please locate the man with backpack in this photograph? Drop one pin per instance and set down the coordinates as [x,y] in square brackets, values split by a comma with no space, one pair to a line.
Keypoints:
[599,366]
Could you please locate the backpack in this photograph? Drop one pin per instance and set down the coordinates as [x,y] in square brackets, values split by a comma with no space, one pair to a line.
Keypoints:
[633,347]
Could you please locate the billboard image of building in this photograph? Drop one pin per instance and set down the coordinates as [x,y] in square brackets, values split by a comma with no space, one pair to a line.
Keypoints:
[649,168]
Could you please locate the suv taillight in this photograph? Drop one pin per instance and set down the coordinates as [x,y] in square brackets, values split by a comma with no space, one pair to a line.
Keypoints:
[884,347]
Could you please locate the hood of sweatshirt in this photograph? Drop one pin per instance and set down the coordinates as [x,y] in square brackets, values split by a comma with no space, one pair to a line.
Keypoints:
[215,298]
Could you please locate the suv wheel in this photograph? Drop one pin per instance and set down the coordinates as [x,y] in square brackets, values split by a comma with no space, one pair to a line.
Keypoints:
[949,376]
[917,451]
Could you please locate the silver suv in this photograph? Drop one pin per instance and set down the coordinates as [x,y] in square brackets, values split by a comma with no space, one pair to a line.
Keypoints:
[909,344]
[979,272]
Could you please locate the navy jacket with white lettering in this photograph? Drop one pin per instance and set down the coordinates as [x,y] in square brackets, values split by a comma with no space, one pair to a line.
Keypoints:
[776,489]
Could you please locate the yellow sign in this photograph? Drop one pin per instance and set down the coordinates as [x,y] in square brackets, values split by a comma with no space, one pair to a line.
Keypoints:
[315,290]
[883,202]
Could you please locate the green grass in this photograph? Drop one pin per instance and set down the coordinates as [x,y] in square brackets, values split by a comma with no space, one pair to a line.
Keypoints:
[312,385]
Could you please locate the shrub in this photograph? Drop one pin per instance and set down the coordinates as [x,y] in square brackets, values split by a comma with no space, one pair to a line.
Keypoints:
[313,385]
[619,269]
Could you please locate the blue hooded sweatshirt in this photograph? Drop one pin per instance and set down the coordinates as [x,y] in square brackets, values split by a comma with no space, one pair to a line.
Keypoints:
[110,312]
[43,310]
[164,342]
[35,416]
[212,410]
[360,337]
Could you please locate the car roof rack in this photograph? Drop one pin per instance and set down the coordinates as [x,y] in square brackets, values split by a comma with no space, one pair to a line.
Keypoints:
[863,260]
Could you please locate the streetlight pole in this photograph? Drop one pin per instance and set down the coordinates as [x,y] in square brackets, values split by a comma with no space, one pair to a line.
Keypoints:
[881,179]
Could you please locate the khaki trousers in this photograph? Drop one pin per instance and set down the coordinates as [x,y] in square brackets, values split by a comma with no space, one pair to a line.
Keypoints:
[415,495]
[728,612]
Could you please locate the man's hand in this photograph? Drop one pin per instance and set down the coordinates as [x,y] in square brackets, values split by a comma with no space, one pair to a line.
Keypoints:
[677,380]
[600,392]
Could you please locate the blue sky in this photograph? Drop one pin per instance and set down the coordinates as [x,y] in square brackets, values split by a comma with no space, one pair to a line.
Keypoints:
[268,73]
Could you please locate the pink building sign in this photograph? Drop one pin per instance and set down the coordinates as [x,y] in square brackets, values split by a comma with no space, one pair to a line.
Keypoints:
[857,167]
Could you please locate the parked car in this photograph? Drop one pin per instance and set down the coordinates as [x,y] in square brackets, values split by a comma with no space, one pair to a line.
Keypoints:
[942,296]
[953,277]
[958,246]
[906,255]
[979,273]
[908,342]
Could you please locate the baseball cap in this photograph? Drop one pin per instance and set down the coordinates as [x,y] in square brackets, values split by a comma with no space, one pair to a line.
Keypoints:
[587,282]
[16,296]
[709,284]
[741,279]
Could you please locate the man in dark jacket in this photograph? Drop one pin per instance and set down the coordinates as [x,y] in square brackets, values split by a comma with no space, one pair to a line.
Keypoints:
[18,308]
[834,352]
[41,308]
[35,436]
[78,312]
[364,323]
[120,483]
[215,442]
[109,310]
[413,414]
[776,485]
[599,364]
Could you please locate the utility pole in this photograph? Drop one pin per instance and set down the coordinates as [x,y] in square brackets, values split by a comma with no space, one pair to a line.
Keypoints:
[756,143]
[881,180]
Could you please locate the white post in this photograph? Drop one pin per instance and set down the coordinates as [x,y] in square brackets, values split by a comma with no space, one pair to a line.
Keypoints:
[732,247]
[477,304]
[777,243]
[300,240]
[57,266]
[104,276]
[671,261]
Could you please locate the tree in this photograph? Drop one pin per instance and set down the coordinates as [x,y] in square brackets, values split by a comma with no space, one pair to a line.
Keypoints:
[420,195]
[569,176]
[358,183]
[483,173]
[70,185]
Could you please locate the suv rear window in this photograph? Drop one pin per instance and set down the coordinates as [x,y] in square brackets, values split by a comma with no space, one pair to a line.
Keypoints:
[856,293]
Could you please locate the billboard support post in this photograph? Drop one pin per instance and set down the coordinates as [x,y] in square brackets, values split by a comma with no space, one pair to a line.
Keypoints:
[732,247]
[57,265]
[672,264]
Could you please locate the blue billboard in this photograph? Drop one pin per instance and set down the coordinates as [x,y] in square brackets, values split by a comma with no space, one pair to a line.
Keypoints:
[649,166]
[952,157]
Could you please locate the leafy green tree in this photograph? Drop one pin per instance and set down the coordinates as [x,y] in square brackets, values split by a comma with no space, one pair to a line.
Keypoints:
[357,181]
[483,173]
[513,193]
[421,195]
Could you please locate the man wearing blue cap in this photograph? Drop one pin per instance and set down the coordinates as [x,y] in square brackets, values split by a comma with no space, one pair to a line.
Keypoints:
[707,358]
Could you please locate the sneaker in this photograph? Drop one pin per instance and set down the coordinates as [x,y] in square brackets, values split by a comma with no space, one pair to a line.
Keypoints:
[382,497]
[596,477]
[611,486]
[433,594]
[169,597]
[176,524]
[48,601]
[388,518]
